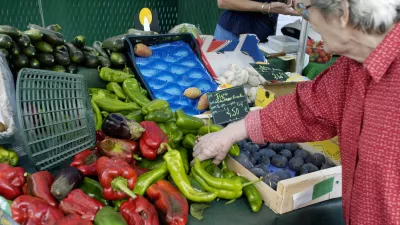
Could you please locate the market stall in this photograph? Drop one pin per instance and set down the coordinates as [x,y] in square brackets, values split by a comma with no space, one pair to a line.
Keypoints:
[119,116]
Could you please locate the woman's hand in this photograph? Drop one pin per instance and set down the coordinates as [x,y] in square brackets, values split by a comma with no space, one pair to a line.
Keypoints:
[216,145]
[282,8]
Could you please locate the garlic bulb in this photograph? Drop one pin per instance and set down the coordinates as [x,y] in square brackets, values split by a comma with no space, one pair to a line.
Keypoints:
[234,68]
[252,71]
[228,74]
[253,81]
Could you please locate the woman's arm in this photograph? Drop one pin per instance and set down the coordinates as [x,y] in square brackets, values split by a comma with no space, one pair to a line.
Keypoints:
[253,6]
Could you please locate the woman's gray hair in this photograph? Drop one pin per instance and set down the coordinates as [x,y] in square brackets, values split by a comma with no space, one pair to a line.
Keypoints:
[370,16]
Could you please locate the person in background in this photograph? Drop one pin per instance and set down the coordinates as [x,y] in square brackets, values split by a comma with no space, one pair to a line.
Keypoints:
[258,17]
[356,99]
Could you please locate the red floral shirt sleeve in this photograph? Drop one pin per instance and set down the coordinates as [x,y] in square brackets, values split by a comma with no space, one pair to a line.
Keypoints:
[311,113]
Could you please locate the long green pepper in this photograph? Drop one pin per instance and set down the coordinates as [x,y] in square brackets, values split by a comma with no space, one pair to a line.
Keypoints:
[145,180]
[253,196]
[180,178]
[111,75]
[131,89]
[113,105]
[115,88]
[98,118]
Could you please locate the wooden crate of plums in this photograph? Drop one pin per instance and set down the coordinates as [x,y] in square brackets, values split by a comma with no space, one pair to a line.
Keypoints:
[293,175]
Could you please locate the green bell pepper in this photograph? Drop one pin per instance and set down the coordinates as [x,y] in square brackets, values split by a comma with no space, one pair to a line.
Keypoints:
[187,122]
[151,164]
[189,141]
[175,136]
[186,131]
[135,116]
[8,156]
[145,180]
[94,190]
[114,105]
[115,88]
[108,216]
[160,116]
[155,105]
[131,89]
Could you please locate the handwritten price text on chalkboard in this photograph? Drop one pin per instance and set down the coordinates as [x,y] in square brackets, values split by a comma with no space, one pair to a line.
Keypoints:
[228,105]
[270,72]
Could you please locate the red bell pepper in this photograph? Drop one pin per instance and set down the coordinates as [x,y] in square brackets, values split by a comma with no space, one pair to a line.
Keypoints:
[39,184]
[11,181]
[73,219]
[85,161]
[116,177]
[169,202]
[77,202]
[139,211]
[118,148]
[34,211]
[151,140]
[25,189]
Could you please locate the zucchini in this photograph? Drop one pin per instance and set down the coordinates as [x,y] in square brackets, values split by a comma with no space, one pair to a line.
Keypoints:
[90,50]
[75,54]
[115,44]
[20,61]
[10,31]
[5,52]
[91,61]
[34,35]
[58,68]
[49,36]
[79,41]
[23,40]
[54,27]
[99,49]
[61,57]
[34,63]
[118,59]
[45,59]
[29,51]
[72,68]
[5,41]
[104,61]
[15,50]
[62,48]
[44,47]
[68,179]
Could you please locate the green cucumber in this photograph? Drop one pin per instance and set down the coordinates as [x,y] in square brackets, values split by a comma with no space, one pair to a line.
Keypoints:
[90,50]
[61,57]
[24,40]
[62,48]
[99,49]
[15,49]
[115,44]
[79,41]
[10,31]
[104,61]
[58,68]
[54,27]
[44,47]
[34,35]
[20,61]
[91,61]
[5,41]
[5,52]
[49,36]
[75,53]
[45,59]
[72,68]
[118,60]
[34,63]
[29,51]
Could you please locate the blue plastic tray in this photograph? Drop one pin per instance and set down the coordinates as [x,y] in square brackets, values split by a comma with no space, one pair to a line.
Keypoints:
[173,67]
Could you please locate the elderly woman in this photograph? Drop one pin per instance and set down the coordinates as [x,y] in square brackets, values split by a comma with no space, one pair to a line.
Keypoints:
[356,99]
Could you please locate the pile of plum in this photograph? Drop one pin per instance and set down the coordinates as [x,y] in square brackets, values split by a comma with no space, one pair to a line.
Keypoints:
[279,161]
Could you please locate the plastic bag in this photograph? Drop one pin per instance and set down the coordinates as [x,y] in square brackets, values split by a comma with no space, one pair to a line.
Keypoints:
[186,28]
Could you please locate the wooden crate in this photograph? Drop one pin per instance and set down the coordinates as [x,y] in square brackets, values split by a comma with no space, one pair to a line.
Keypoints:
[297,192]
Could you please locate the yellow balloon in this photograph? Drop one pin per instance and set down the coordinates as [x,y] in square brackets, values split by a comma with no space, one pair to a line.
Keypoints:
[145,12]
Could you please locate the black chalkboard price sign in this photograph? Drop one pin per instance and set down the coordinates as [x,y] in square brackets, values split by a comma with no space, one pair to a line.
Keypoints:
[270,73]
[228,105]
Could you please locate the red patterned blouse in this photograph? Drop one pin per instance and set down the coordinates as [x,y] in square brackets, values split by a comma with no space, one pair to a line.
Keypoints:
[361,104]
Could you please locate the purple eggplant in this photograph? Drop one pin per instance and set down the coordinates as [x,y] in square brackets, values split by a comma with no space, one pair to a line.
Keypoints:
[117,126]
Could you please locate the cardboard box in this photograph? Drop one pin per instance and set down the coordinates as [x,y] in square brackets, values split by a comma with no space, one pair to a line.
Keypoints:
[218,55]
[297,192]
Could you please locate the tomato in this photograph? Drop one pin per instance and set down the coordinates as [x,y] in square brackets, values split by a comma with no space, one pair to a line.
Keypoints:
[322,54]
[319,60]
[308,50]
[326,58]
